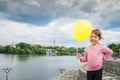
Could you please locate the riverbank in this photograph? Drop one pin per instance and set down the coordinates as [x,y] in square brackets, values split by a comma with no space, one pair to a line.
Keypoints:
[111,71]
[74,75]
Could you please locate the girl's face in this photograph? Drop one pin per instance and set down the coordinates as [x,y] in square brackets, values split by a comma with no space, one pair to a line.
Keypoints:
[94,39]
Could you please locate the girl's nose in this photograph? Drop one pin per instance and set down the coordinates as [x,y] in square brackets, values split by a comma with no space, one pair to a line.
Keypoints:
[92,38]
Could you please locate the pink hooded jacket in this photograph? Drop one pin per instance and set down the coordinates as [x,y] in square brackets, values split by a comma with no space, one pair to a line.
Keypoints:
[94,56]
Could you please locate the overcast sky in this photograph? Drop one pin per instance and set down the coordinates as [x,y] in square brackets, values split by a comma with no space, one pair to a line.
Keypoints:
[43,21]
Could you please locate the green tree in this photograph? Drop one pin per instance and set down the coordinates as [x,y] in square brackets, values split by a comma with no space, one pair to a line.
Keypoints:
[2,49]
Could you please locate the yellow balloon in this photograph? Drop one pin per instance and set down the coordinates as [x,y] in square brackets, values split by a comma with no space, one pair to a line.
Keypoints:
[82,30]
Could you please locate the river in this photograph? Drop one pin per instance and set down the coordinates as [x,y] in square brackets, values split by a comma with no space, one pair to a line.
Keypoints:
[35,67]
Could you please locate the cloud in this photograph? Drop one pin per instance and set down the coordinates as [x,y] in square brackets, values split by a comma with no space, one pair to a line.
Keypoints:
[3,6]
[110,37]
[21,32]
[37,12]
[58,30]
[43,21]
[32,3]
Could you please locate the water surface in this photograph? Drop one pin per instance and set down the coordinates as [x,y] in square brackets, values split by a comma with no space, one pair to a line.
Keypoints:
[36,67]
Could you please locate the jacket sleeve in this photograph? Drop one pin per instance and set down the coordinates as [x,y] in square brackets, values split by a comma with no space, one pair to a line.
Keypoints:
[107,52]
[84,58]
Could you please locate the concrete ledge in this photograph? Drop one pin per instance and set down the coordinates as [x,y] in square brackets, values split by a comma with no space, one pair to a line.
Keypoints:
[69,75]
[112,66]
[111,71]
[81,75]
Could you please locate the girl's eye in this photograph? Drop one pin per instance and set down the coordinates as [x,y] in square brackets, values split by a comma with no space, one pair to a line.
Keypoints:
[91,36]
[95,37]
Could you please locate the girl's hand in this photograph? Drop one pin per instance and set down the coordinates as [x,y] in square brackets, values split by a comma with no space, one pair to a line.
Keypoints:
[104,58]
[79,56]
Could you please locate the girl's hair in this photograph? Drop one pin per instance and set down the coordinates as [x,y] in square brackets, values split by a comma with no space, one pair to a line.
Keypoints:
[98,33]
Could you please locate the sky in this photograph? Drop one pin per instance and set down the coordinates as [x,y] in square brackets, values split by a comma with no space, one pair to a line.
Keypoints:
[51,22]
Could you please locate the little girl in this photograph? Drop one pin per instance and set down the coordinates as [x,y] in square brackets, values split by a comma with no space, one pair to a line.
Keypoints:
[94,55]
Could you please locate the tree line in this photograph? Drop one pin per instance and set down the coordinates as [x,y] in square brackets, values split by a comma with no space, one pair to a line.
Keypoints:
[28,49]
[115,48]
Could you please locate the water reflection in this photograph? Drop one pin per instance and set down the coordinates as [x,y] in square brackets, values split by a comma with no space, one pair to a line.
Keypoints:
[23,58]
[28,67]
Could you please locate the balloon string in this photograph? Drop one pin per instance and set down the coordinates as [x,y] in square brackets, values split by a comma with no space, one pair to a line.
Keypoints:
[77,47]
